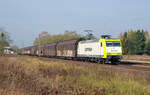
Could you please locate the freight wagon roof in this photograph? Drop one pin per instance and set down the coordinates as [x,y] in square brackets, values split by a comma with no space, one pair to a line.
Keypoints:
[28,47]
[50,44]
[70,41]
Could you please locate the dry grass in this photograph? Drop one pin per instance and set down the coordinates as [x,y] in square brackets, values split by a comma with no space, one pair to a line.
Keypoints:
[31,76]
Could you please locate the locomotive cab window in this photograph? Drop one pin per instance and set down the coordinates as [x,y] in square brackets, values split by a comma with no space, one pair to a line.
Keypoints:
[117,43]
[113,43]
[109,44]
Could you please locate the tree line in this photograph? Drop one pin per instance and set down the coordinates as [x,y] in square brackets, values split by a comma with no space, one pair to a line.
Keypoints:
[135,42]
[45,37]
[5,40]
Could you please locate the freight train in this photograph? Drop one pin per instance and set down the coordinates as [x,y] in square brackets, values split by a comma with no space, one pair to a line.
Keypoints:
[104,50]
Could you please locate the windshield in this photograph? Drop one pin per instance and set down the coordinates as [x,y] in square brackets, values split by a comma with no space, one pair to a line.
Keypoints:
[112,43]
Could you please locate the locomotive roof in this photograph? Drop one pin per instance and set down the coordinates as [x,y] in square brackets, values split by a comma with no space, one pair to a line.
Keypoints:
[72,40]
[89,41]
[95,40]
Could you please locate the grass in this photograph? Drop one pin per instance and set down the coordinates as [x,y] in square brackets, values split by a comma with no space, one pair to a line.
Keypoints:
[32,76]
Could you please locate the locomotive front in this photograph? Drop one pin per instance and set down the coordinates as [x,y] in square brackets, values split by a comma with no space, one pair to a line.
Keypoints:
[112,50]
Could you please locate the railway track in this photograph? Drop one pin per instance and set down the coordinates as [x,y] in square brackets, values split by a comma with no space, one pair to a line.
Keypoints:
[140,68]
[133,67]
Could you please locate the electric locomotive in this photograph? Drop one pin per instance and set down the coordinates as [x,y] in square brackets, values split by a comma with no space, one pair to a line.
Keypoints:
[104,50]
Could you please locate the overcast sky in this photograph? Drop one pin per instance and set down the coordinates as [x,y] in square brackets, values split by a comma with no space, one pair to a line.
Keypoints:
[25,19]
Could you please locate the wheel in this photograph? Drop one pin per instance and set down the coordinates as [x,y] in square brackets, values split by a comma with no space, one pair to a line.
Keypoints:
[101,61]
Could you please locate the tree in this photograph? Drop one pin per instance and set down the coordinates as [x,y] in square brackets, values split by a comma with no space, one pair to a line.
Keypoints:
[4,39]
[147,47]
[15,48]
[45,37]
[140,42]
[89,35]
[147,35]
[124,41]
[133,42]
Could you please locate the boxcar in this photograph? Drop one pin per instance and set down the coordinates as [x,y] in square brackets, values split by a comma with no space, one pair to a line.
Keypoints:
[26,51]
[50,50]
[40,50]
[33,50]
[67,48]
